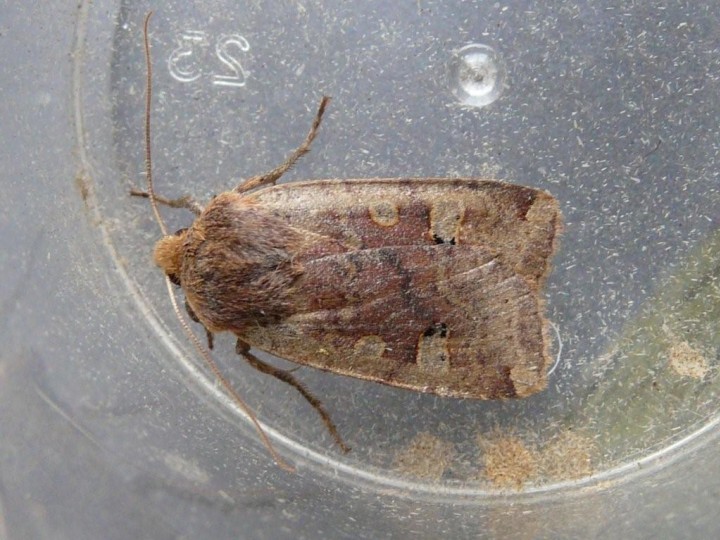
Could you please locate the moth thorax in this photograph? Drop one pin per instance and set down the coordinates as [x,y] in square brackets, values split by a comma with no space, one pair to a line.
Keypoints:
[168,254]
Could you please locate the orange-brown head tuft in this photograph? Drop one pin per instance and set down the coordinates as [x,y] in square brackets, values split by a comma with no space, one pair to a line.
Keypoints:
[169,253]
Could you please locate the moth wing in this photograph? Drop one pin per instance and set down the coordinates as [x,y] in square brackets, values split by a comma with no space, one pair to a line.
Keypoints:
[519,225]
[441,318]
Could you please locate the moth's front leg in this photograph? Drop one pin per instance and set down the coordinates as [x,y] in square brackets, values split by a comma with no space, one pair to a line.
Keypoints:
[274,175]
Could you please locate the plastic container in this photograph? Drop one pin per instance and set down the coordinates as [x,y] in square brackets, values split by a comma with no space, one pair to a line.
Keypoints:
[112,426]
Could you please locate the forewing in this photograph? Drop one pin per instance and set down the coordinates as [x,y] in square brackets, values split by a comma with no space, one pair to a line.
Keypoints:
[517,224]
[441,318]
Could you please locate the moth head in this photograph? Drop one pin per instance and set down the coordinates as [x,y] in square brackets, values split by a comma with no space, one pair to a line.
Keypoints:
[169,254]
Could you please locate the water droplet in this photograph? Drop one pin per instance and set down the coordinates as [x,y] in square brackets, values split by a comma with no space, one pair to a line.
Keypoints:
[477,75]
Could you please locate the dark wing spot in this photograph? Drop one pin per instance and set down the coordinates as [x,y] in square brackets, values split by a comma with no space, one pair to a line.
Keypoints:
[435,329]
[439,240]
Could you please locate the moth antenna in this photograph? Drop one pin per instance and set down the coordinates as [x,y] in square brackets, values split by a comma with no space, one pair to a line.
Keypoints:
[148,108]
[183,323]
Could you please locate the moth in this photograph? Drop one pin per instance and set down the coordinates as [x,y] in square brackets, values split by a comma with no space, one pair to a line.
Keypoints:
[429,284]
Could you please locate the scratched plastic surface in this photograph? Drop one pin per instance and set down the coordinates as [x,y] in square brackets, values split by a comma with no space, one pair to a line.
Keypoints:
[612,108]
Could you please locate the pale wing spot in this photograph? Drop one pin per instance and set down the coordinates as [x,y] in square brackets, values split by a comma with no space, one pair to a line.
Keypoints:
[525,379]
[446,217]
[433,356]
[369,347]
[541,208]
[384,213]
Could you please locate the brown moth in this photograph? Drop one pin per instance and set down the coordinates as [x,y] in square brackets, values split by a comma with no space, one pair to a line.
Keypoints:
[428,284]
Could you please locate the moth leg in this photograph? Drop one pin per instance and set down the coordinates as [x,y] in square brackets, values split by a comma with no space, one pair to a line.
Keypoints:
[272,176]
[181,202]
[210,336]
[243,350]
